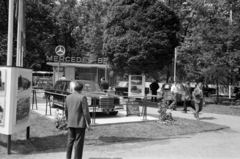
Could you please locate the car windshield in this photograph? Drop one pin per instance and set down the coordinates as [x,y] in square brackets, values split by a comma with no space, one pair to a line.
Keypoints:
[88,86]
[122,84]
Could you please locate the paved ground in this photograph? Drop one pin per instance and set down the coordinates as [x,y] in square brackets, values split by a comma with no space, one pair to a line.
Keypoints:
[223,144]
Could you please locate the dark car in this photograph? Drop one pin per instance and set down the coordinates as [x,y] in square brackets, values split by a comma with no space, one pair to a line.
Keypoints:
[208,91]
[104,102]
[44,84]
[122,88]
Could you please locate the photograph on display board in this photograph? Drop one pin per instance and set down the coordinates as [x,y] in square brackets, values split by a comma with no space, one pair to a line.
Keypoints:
[2,81]
[136,80]
[136,90]
[2,108]
[24,82]
[23,109]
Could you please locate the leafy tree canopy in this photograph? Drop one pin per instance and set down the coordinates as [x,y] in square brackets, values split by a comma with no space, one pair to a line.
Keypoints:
[140,35]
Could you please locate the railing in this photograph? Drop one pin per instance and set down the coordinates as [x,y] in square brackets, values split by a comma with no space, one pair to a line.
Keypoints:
[142,100]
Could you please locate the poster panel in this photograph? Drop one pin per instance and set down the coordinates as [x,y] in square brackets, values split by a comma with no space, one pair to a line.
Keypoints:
[24,83]
[2,110]
[2,81]
[22,109]
[136,86]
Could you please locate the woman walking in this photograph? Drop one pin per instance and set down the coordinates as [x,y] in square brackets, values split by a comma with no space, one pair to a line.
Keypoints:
[198,99]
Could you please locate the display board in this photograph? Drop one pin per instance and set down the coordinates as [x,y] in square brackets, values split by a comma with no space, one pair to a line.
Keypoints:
[15,97]
[132,108]
[3,80]
[136,86]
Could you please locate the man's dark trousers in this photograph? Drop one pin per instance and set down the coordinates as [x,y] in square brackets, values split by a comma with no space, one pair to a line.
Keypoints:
[75,135]
[155,98]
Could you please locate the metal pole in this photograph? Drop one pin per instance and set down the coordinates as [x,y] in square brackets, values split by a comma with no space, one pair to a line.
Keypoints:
[175,64]
[28,133]
[106,72]
[8,144]
[230,24]
[58,67]
[19,30]
[10,33]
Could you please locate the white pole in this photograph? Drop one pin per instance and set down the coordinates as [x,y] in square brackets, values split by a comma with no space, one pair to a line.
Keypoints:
[10,33]
[19,39]
[175,64]
[230,23]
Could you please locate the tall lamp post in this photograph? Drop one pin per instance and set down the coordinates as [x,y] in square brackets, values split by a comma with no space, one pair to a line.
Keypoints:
[175,64]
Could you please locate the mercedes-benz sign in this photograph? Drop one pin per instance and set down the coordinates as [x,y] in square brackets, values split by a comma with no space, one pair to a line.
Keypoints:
[60,50]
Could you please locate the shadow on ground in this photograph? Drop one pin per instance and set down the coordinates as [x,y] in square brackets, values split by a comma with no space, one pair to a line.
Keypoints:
[207,118]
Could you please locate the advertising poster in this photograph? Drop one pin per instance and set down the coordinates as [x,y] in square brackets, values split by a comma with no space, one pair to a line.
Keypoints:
[2,108]
[136,86]
[24,83]
[2,82]
[23,109]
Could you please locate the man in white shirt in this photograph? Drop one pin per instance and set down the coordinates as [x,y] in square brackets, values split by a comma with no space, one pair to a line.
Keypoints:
[174,91]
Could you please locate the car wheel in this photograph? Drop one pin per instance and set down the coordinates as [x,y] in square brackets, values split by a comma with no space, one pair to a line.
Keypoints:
[113,113]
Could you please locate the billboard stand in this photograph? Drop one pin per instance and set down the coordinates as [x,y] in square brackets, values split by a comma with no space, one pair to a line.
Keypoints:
[15,101]
[136,89]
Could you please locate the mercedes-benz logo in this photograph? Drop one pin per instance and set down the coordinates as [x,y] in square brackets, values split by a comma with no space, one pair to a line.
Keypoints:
[60,50]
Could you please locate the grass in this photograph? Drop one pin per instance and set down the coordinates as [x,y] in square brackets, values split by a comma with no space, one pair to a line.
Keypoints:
[44,135]
[211,106]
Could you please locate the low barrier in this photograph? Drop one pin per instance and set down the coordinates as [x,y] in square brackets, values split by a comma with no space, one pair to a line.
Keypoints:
[132,103]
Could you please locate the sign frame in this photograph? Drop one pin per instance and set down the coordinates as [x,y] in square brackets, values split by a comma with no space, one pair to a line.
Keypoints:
[136,86]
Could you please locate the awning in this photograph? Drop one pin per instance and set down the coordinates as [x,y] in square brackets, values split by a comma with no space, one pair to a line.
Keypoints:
[85,65]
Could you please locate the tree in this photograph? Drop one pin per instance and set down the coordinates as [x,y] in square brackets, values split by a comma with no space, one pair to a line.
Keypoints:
[39,33]
[140,35]
[209,42]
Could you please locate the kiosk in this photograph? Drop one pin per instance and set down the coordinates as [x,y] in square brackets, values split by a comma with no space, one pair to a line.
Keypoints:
[81,68]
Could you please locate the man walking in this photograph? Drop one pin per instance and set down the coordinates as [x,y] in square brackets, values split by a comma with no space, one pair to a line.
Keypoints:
[78,118]
[154,87]
[188,97]
[174,91]
[198,99]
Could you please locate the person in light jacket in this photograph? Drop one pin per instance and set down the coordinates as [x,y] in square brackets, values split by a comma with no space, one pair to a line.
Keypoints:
[197,95]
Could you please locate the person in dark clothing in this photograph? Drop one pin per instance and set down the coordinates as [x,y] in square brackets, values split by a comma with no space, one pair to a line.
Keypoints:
[78,119]
[188,98]
[104,84]
[237,95]
[154,87]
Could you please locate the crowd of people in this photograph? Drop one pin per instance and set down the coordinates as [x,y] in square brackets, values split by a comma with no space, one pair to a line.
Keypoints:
[193,97]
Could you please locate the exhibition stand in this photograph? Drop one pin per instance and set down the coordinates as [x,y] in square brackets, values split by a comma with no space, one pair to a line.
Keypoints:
[15,95]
